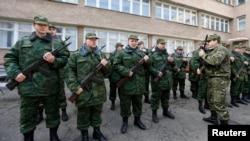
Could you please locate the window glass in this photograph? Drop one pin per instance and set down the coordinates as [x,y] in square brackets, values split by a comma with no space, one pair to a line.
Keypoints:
[115,5]
[104,4]
[194,18]
[173,13]
[7,34]
[166,12]
[145,9]
[91,3]
[158,11]
[126,6]
[242,23]
[240,2]
[180,15]
[187,17]
[222,24]
[113,39]
[136,7]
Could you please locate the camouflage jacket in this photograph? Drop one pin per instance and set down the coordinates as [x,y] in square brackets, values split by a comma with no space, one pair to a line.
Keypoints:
[28,50]
[247,57]
[114,76]
[179,64]
[157,60]
[80,64]
[217,62]
[236,66]
[194,64]
[123,62]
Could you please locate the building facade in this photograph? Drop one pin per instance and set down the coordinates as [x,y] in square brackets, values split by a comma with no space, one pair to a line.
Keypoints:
[181,22]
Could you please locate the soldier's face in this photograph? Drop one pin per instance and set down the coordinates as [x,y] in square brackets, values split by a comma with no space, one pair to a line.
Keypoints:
[91,42]
[52,31]
[132,43]
[41,29]
[119,48]
[212,43]
[161,46]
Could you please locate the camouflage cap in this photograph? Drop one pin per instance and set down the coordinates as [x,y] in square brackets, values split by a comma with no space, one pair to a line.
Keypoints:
[141,42]
[41,20]
[118,44]
[51,25]
[91,35]
[133,37]
[248,48]
[160,41]
[213,37]
[179,48]
[237,46]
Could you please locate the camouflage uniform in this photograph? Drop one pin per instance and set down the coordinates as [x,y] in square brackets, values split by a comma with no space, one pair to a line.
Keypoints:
[217,69]
[41,88]
[161,90]
[236,86]
[246,89]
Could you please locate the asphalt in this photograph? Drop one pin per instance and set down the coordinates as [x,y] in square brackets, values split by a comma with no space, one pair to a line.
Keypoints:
[187,125]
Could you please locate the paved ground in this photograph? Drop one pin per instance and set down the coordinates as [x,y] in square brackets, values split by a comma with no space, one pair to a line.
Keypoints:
[188,125]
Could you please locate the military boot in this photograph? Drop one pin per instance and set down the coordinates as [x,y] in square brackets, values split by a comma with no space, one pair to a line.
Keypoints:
[238,100]
[146,100]
[183,95]
[97,134]
[224,122]
[138,123]
[124,127]
[175,95]
[64,115]
[233,101]
[29,136]
[53,134]
[201,108]
[112,105]
[154,116]
[212,119]
[85,135]
[39,117]
[244,98]
[167,113]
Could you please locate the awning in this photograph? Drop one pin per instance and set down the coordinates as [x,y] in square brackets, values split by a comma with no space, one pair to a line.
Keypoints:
[238,39]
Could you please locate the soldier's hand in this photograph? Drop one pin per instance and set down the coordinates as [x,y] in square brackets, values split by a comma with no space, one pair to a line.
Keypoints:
[184,59]
[79,91]
[179,70]
[160,74]
[104,62]
[170,59]
[237,76]
[201,52]
[198,71]
[131,73]
[49,57]
[20,77]
[232,59]
[245,62]
[145,58]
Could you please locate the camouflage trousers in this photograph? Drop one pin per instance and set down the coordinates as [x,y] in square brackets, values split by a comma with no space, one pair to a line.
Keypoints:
[147,80]
[216,96]
[113,91]
[88,116]
[125,103]
[181,83]
[246,88]
[28,111]
[236,87]
[194,86]
[202,89]
[158,96]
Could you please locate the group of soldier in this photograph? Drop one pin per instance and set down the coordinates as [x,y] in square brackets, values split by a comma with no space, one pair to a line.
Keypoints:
[130,70]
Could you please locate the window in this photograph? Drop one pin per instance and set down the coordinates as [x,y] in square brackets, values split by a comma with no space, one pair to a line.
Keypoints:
[68,1]
[180,15]
[187,17]
[173,14]
[240,2]
[166,12]
[158,10]
[110,38]
[229,2]
[137,7]
[241,23]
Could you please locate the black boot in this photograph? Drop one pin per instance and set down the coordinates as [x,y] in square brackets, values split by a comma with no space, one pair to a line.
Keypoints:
[39,117]
[53,134]
[244,98]
[64,115]
[206,105]
[124,127]
[212,119]
[201,108]
[167,113]
[183,95]
[238,100]
[112,105]
[146,100]
[85,135]
[29,136]
[194,94]
[138,123]
[224,122]
[233,101]
[98,134]
[154,116]
[175,95]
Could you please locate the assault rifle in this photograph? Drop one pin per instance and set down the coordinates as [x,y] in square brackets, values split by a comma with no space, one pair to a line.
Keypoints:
[181,65]
[90,77]
[163,69]
[202,62]
[239,72]
[37,66]
[133,69]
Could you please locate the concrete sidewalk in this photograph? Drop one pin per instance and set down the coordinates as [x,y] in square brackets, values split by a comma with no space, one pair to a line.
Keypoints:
[187,126]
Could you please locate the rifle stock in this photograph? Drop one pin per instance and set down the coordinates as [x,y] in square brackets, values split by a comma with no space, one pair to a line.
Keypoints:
[163,69]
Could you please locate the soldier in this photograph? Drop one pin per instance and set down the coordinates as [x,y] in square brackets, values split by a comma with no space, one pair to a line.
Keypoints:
[147,74]
[62,97]
[193,77]
[161,89]
[246,89]
[238,75]
[180,74]
[114,77]
[27,50]
[217,69]
[89,102]
[133,89]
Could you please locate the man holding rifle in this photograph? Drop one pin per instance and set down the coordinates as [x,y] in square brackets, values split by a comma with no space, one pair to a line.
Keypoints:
[90,99]
[39,87]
